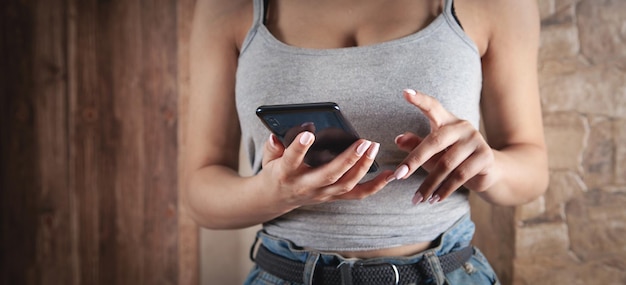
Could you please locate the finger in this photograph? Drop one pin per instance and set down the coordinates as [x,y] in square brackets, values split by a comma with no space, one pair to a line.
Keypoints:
[435,112]
[407,141]
[366,189]
[291,133]
[482,180]
[434,143]
[450,161]
[354,175]
[332,171]
[468,169]
[273,149]
[293,156]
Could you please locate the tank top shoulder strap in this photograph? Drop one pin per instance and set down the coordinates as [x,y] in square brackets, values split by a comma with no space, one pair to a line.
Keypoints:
[259,11]
[450,14]
[259,7]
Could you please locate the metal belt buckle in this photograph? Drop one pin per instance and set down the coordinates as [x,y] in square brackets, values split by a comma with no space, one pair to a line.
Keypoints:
[396,273]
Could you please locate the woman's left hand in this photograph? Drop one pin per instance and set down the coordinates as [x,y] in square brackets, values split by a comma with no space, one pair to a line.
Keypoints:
[454,154]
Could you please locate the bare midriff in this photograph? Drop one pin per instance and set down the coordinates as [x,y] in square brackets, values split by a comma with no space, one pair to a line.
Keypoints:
[404,250]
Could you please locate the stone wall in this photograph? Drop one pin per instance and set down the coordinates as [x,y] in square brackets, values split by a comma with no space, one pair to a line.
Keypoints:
[576,232]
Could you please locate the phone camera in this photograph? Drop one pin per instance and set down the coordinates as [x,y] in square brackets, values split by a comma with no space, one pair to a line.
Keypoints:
[273,122]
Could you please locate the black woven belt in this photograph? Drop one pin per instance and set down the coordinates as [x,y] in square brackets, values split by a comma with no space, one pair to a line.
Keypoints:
[378,274]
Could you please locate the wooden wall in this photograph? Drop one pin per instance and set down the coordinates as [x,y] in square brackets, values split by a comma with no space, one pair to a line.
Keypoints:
[90,140]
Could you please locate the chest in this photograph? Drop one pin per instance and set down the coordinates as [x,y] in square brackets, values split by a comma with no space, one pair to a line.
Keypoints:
[337,24]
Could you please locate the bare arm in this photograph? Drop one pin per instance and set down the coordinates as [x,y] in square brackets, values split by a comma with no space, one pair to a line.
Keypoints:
[509,167]
[511,104]
[213,129]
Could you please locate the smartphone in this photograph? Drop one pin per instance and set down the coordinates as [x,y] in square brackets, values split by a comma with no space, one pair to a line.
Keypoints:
[333,132]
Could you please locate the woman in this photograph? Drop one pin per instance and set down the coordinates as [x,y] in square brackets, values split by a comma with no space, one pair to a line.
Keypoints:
[335,224]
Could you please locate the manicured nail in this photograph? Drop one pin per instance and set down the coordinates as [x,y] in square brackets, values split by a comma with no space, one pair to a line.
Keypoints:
[417,198]
[410,91]
[363,147]
[434,199]
[397,138]
[306,138]
[401,171]
[390,178]
[374,151]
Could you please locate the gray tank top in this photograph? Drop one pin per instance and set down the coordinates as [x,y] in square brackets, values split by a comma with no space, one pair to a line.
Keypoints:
[367,83]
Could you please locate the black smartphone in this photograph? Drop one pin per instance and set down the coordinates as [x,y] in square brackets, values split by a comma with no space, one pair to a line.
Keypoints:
[333,133]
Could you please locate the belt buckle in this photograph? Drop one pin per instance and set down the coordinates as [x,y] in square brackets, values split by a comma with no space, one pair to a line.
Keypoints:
[396,273]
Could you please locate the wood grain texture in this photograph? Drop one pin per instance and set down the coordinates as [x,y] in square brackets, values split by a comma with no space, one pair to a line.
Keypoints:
[189,240]
[89,143]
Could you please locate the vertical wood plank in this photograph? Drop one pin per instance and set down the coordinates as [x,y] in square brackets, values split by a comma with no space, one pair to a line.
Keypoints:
[18,144]
[189,241]
[55,255]
[121,22]
[86,147]
[160,131]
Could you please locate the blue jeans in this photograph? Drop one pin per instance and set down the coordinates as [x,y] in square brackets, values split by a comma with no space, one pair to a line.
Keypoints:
[475,271]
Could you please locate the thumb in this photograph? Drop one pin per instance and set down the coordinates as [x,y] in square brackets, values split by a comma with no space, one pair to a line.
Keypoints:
[273,149]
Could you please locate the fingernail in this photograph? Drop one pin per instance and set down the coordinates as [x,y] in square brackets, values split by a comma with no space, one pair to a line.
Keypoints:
[397,138]
[363,147]
[401,171]
[410,91]
[417,198]
[434,199]
[306,138]
[374,151]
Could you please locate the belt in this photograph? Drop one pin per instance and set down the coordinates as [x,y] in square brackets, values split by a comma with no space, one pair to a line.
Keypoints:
[358,273]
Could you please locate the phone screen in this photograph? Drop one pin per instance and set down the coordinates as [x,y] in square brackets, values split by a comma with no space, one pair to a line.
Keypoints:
[333,133]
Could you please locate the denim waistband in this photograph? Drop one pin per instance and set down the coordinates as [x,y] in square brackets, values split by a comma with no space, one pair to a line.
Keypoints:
[458,236]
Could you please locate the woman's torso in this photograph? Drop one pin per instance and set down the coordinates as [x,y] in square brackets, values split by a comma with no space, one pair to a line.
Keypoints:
[363,63]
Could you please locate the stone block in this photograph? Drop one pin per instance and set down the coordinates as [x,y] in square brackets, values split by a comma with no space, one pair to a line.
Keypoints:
[531,210]
[566,269]
[546,8]
[559,36]
[541,240]
[564,4]
[597,224]
[598,90]
[599,155]
[564,185]
[602,33]
[553,69]
[565,134]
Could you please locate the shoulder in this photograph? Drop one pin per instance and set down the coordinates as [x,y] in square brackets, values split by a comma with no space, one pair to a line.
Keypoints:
[223,20]
[491,22]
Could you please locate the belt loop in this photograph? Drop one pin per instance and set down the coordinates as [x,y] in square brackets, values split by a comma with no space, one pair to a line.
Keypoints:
[309,268]
[346,273]
[253,248]
[435,268]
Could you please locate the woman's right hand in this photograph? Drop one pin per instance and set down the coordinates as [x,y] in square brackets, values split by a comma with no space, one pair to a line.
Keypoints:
[298,184]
